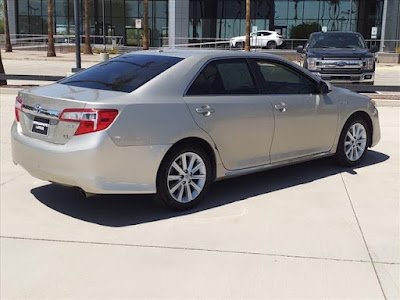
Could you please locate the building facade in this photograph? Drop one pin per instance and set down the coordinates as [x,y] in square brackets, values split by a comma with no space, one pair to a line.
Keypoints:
[182,21]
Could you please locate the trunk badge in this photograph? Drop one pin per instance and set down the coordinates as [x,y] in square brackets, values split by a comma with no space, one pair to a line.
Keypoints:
[38,108]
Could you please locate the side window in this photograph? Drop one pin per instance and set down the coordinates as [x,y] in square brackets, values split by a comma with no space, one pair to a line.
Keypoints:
[279,79]
[224,77]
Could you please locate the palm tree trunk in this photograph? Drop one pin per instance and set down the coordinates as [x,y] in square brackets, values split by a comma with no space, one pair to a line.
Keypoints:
[247,43]
[2,81]
[271,15]
[88,48]
[146,25]
[50,44]
[7,29]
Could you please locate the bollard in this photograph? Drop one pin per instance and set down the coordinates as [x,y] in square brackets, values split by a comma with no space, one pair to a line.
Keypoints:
[104,56]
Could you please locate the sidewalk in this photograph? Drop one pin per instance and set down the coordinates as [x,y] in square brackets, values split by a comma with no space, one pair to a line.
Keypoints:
[42,56]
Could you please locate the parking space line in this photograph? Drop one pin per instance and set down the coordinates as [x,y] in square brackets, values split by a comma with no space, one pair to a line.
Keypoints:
[363,237]
[12,179]
[186,249]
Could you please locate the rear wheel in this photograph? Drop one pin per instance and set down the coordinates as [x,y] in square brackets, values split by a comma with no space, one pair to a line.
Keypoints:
[353,143]
[184,177]
[271,45]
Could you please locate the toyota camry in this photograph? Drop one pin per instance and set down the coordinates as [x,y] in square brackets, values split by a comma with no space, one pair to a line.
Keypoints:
[171,122]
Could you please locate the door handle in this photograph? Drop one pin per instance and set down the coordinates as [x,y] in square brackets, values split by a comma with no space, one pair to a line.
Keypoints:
[205,110]
[281,107]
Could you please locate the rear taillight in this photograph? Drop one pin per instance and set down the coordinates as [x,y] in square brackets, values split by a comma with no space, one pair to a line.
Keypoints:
[90,120]
[18,107]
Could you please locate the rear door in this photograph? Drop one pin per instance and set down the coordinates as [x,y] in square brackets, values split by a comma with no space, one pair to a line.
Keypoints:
[225,102]
[305,120]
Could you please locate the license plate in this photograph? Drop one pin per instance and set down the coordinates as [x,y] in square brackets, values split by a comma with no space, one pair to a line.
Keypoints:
[41,126]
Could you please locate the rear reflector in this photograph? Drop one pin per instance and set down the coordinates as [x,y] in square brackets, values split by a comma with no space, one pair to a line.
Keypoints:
[90,120]
[18,107]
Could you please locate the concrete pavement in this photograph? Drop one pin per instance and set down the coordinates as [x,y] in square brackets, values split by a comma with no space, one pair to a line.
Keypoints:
[309,231]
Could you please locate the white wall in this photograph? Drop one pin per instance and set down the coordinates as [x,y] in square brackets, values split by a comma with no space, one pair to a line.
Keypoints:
[178,22]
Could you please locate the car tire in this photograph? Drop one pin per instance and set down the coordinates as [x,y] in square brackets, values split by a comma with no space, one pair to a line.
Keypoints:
[271,45]
[240,45]
[353,142]
[181,185]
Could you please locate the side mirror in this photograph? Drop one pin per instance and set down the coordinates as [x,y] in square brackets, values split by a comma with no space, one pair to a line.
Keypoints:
[300,49]
[374,49]
[325,87]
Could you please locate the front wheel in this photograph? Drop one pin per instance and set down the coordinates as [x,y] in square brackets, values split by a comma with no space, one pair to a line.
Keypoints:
[353,142]
[240,45]
[184,177]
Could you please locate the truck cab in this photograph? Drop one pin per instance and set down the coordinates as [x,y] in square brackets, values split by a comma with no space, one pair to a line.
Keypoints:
[339,57]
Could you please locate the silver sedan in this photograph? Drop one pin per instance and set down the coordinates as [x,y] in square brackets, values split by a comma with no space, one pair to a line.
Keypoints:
[171,122]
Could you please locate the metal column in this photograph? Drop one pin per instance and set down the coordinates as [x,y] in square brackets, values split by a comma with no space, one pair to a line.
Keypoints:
[384,14]
[77,36]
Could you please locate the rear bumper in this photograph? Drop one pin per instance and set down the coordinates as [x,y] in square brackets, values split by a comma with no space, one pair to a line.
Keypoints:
[91,162]
[376,135]
[367,78]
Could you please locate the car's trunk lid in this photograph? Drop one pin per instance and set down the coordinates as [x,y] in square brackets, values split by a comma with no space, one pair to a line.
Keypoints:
[42,106]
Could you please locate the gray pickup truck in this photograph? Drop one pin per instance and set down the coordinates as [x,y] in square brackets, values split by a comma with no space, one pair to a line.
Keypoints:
[339,57]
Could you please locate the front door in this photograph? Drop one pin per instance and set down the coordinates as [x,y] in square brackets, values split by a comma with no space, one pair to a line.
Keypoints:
[305,120]
[225,102]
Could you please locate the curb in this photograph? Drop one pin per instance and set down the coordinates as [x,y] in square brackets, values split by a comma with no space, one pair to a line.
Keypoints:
[387,103]
[10,91]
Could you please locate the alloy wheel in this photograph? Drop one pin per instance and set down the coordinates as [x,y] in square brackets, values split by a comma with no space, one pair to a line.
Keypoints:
[355,142]
[186,177]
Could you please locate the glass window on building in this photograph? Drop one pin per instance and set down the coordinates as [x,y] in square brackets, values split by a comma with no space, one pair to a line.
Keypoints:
[120,18]
[223,19]
[22,8]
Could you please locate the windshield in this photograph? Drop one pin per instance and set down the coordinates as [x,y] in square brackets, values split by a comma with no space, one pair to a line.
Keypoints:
[123,74]
[337,40]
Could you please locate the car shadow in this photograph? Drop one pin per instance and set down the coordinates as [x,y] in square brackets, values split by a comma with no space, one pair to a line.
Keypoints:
[126,210]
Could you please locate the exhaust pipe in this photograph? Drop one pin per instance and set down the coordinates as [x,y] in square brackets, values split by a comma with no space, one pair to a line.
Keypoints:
[86,194]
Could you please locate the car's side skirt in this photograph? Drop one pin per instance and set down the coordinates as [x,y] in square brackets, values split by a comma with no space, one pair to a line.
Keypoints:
[293,161]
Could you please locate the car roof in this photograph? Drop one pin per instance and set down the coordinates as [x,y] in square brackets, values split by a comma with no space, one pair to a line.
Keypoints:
[336,32]
[203,53]
[270,31]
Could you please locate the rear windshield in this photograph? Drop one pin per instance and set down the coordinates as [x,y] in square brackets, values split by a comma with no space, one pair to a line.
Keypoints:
[337,40]
[123,74]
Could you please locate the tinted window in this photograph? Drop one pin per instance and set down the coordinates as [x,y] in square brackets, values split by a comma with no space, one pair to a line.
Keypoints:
[336,40]
[124,73]
[279,79]
[229,77]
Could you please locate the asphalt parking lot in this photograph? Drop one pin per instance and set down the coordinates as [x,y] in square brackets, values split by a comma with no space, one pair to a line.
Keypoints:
[308,231]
